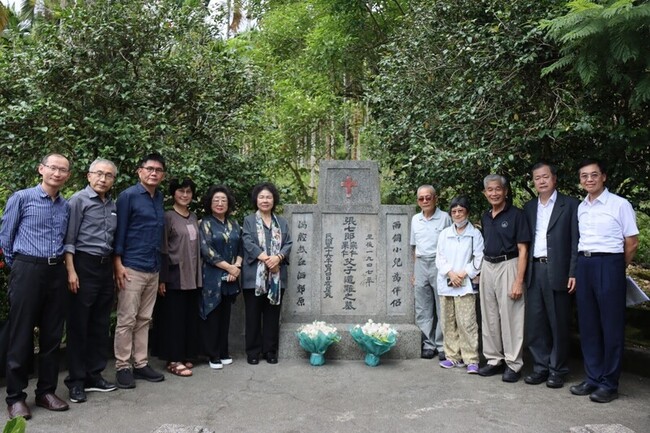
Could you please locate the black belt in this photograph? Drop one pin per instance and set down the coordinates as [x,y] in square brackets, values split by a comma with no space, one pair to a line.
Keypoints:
[102,260]
[540,259]
[499,259]
[40,260]
[590,254]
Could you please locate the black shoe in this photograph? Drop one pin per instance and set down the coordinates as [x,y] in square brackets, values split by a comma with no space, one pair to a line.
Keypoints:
[253,360]
[147,373]
[441,356]
[536,378]
[555,381]
[77,394]
[602,395]
[99,385]
[428,354]
[585,388]
[491,370]
[124,378]
[271,358]
[510,375]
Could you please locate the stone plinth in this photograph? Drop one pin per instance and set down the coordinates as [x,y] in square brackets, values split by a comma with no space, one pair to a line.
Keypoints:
[350,262]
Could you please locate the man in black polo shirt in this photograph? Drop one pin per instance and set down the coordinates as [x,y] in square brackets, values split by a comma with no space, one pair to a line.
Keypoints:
[506,235]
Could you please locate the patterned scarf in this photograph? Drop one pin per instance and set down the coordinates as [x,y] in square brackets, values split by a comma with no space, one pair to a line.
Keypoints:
[268,282]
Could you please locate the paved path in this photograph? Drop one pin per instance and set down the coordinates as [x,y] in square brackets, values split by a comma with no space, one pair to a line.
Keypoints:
[343,396]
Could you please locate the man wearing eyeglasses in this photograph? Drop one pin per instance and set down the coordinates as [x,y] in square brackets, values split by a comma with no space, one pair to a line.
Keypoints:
[425,230]
[137,257]
[607,244]
[33,229]
[89,261]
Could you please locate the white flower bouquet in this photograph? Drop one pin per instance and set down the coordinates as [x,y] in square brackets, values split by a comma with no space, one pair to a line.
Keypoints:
[316,338]
[375,339]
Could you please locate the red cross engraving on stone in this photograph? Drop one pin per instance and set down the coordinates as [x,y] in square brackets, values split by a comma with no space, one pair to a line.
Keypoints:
[348,184]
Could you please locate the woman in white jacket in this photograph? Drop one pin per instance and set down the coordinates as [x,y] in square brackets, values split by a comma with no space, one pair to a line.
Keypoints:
[459,257]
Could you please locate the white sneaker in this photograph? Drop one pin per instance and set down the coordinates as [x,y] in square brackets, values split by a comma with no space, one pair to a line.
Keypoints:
[226,361]
[215,365]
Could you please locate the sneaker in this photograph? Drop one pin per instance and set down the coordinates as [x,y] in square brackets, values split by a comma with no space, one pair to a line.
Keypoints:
[226,361]
[472,369]
[447,363]
[217,365]
[99,385]
[124,378]
[441,355]
[77,394]
[147,373]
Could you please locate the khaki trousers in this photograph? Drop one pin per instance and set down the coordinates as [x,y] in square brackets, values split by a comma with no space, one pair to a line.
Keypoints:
[134,309]
[460,328]
[503,318]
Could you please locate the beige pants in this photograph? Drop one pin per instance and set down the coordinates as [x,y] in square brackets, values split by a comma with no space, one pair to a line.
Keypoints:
[460,328]
[134,309]
[503,318]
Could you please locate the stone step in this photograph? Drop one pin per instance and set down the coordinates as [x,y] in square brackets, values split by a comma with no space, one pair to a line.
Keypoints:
[407,347]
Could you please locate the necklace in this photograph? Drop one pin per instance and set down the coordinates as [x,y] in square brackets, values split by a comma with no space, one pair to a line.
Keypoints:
[182,211]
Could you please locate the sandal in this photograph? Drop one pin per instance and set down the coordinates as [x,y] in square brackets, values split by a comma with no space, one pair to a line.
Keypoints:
[188,364]
[179,369]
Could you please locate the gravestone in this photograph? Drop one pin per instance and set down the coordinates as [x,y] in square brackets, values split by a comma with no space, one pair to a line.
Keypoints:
[351,261]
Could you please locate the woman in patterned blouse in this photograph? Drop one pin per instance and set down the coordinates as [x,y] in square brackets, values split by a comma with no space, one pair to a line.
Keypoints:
[221,251]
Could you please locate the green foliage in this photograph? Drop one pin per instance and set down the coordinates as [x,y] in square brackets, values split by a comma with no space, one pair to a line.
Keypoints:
[606,44]
[459,95]
[314,58]
[119,79]
[15,425]
[643,253]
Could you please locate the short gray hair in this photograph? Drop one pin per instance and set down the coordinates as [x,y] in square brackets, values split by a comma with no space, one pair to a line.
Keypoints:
[102,161]
[495,178]
[429,187]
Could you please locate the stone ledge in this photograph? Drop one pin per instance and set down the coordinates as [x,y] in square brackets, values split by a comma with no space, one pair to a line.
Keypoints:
[407,347]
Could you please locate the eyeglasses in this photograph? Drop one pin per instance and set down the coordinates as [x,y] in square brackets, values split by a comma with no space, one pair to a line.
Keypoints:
[54,168]
[100,174]
[587,176]
[152,169]
[219,200]
[426,198]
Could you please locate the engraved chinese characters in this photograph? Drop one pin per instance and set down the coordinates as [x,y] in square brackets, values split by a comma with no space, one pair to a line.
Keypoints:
[351,258]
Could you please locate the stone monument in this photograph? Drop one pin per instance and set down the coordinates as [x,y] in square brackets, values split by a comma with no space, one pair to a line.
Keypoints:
[351,261]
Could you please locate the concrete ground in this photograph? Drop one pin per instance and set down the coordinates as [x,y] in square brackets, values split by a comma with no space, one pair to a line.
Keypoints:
[344,396]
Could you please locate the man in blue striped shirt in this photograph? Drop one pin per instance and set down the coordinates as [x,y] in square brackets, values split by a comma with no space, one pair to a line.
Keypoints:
[33,229]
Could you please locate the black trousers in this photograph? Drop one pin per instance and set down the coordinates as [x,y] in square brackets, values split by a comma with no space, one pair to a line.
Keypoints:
[37,297]
[175,333]
[215,329]
[548,319]
[600,294]
[88,323]
[262,324]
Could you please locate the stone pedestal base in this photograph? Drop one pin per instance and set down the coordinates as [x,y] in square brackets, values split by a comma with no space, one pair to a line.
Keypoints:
[407,347]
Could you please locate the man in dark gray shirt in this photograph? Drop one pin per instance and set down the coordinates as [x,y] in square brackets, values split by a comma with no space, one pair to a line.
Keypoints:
[88,251]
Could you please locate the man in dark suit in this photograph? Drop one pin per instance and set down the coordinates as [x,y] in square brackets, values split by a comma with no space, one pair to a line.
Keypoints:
[552,257]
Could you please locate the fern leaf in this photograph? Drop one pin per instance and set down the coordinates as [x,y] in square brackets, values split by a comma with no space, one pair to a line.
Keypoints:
[561,63]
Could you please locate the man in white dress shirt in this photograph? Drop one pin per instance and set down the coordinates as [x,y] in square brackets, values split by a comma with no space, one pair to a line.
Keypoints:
[608,242]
